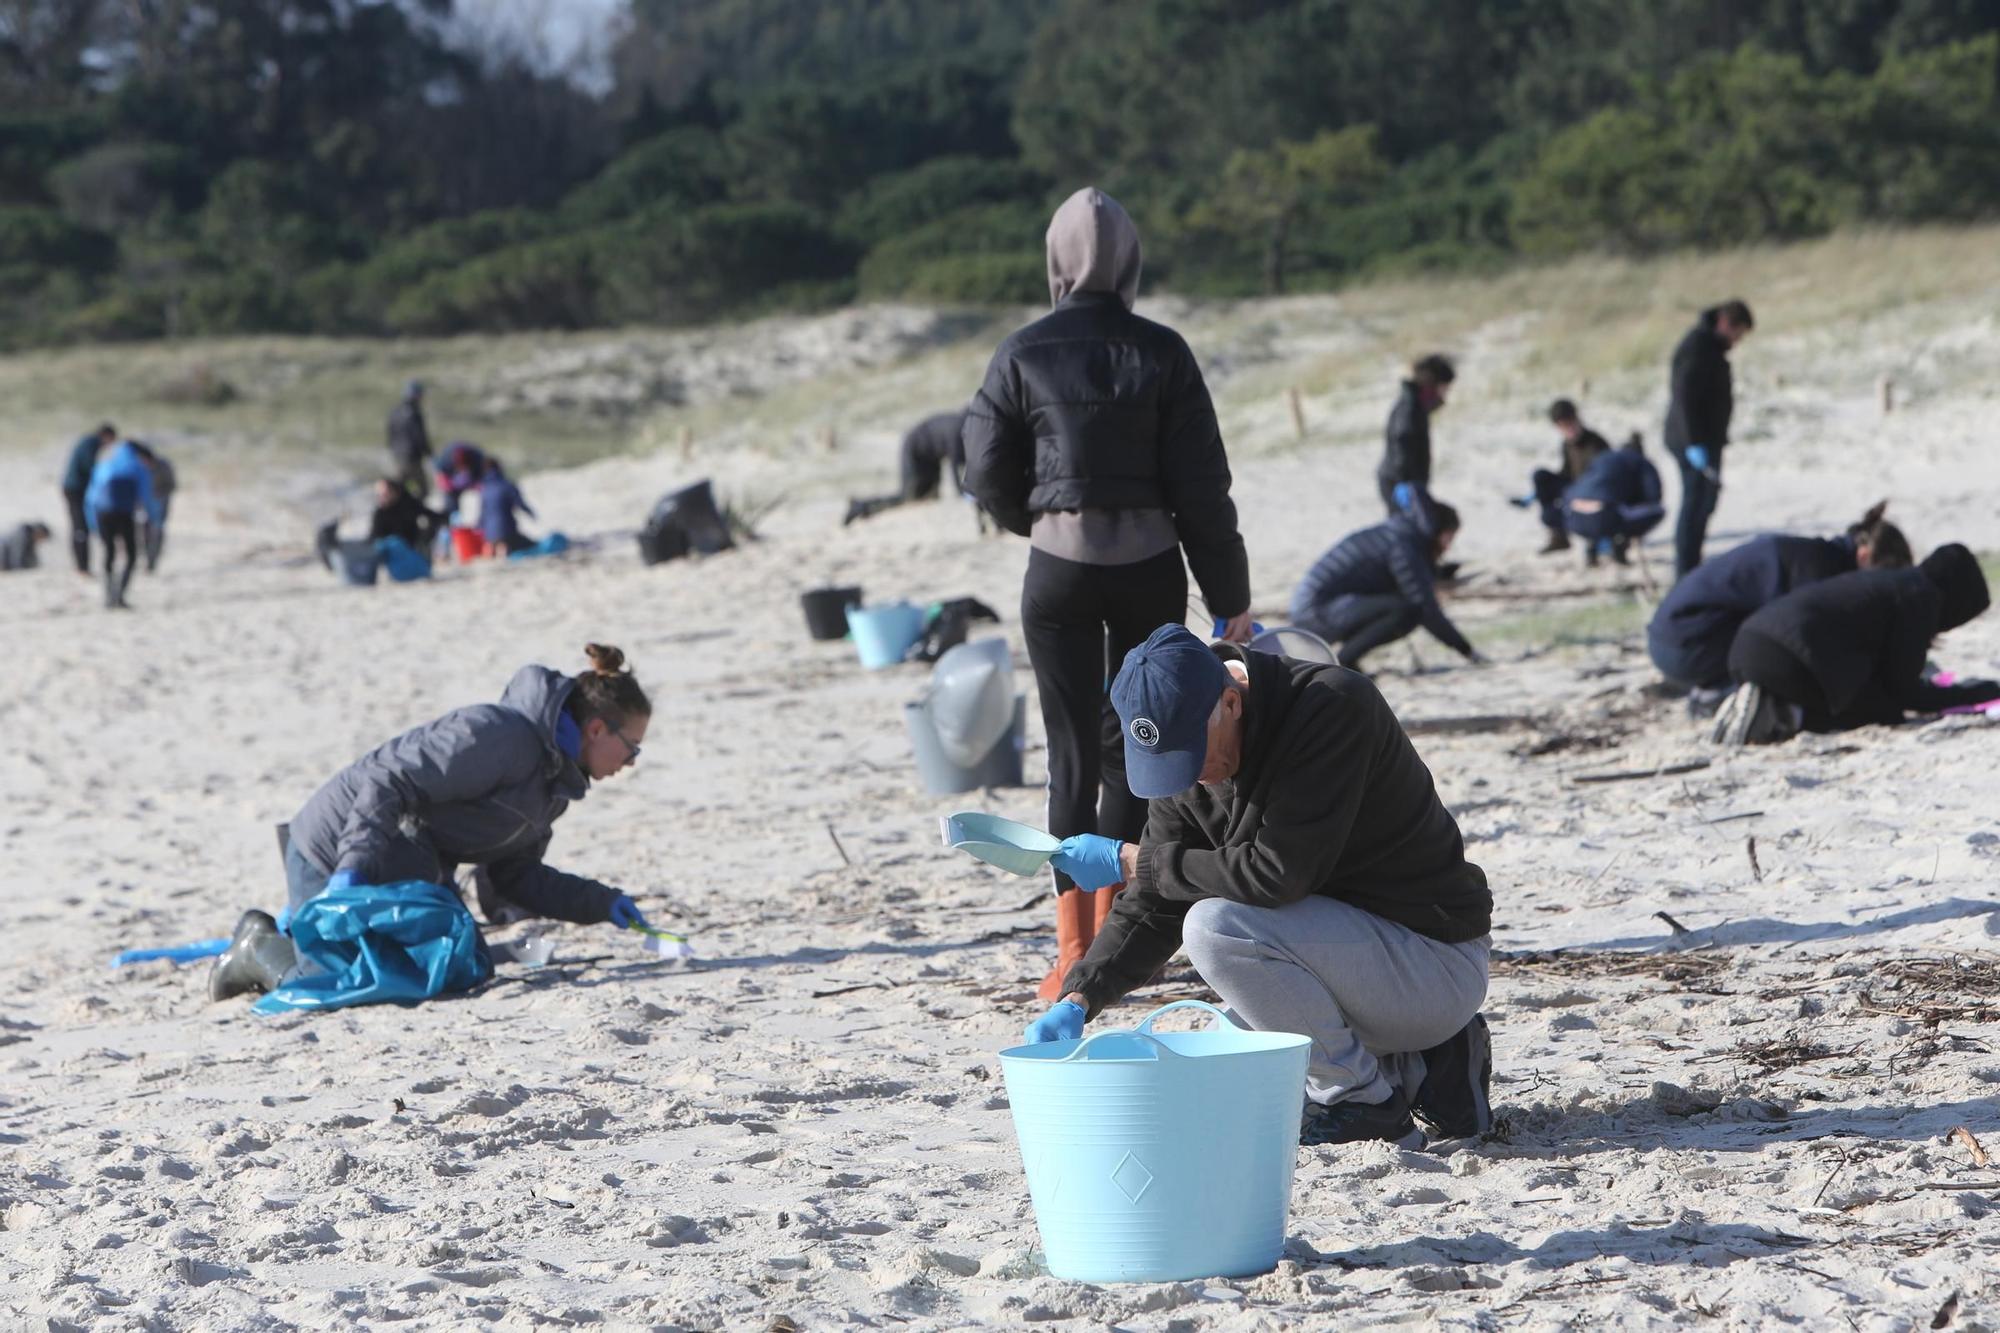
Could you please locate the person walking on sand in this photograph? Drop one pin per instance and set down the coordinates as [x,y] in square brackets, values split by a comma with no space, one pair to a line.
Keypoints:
[76,483]
[480,786]
[1296,848]
[931,445]
[1406,450]
[1702,399]
[1689,635]
[1378,585]
[1850,651]
[121,489]
[410,442]
[1094,437]
[1580,448]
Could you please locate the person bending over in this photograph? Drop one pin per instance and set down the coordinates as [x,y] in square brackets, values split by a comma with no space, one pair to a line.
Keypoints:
[121,489]
[459,469]
[1849,651]
[1580,448]
[931,445]
[1615,502]
[1702,398]
[499,501]
[481,786]
[76,484]
[1377,585]
[17,548]
[1406,448]
[1295,846]
[1689,635]
[1093,436]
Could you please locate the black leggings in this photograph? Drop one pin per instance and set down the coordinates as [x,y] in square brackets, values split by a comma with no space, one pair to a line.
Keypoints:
[117,528]
[1756,659]
[1080,621]
[1360,623]
[79,531]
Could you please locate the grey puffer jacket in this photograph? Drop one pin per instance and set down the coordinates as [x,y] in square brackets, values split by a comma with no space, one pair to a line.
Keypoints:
[479,786]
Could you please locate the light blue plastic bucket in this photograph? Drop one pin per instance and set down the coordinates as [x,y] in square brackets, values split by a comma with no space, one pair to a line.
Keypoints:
[883,634]
[1160,1156]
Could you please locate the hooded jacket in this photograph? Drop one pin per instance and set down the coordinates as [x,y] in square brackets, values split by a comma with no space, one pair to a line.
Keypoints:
[1618,477]
[1331,799]
[1689,635]
[1406,448]
[499,500]
[927,448]
[479,786]
[121,483]
[1702,388]
[82,458]
[1864,636]
[409,438]
[1391,557]
[1093,408]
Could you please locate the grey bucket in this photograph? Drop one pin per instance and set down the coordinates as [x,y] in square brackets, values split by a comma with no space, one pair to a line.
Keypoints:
[999,767]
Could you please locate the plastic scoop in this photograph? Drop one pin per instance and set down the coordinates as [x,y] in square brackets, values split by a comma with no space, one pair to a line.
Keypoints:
[664,942]
[1012,847]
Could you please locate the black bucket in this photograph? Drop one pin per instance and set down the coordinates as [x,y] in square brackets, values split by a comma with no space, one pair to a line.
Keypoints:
[826,611]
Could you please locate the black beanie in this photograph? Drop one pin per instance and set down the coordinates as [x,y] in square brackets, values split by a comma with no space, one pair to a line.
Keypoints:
[1955,572]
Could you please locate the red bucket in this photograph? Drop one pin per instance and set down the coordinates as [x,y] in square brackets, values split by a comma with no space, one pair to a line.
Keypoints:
[467,544]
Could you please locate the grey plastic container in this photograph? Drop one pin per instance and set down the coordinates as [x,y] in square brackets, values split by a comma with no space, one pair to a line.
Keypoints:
[999,767]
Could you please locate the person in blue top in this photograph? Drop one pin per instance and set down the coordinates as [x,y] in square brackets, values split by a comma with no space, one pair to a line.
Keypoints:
[1377,585]
[499,500]
[1614,502]
[1690,634]
[121,487]
[75,482]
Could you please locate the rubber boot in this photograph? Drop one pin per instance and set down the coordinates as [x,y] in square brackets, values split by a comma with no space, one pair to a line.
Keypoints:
[1101,904]
[1075,927]
[256,961]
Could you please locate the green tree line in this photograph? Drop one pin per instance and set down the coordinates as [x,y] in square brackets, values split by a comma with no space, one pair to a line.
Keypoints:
[194,167]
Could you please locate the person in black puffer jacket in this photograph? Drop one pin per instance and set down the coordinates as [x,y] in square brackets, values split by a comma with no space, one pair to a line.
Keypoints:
[1093,436]
[1849,651]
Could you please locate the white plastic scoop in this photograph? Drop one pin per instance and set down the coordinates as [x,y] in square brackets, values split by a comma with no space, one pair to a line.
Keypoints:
[1015,848]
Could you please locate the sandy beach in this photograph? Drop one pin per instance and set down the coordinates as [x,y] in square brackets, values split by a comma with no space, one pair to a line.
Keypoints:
[1739,1010]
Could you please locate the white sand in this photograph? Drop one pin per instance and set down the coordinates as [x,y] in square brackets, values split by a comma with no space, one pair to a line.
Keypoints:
[809,1123]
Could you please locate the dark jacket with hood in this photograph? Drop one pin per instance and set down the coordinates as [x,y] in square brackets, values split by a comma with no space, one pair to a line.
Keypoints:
[1391,557]
[1581,452]
[480,786]
[1093,408]
[82,458]
[405,517]
[1702,388]
[929,446]
[1619,477]
[409,438]
[1864,636]
[1331,799]
[1690,633]
[1406,449]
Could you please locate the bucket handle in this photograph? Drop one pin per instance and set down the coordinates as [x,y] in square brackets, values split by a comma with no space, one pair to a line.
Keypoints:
[1159,1048]
[1145,1026]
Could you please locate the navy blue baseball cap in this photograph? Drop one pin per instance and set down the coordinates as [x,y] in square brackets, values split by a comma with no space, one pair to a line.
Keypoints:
[1164,694]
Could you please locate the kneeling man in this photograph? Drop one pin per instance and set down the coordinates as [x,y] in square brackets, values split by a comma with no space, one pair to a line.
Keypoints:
[1296,848]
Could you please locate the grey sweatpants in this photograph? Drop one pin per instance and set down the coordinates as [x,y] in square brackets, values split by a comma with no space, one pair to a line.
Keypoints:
[1370,993]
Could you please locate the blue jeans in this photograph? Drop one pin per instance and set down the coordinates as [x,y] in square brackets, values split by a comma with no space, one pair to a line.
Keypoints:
[1699,492]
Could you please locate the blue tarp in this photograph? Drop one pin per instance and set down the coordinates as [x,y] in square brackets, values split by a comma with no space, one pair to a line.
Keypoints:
[553,544]
[376,943]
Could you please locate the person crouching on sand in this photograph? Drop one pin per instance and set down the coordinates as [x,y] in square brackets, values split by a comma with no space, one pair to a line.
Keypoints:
[481,786]
[1296,847]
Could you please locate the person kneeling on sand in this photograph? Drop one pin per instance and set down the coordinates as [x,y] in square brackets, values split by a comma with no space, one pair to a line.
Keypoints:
[1614,503]
[17,548]
[1850,651]
[1296,846]
[1377,585]
[931,445]
[481,786]
[1581,447]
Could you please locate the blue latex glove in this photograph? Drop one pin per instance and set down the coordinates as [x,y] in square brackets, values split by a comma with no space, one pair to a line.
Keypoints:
[1405,494]
[339,879]
[625,913]
[1089,860]
[1063,1022]
[1698,459]
[1221,625]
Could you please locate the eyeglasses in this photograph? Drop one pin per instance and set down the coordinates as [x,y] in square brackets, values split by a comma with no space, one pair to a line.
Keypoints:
[631,750]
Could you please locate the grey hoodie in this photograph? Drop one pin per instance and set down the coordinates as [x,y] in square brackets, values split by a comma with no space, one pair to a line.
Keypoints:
[479,786]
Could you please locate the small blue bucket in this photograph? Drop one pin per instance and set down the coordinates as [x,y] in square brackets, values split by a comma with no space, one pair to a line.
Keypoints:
[884,634]
[1160,1156]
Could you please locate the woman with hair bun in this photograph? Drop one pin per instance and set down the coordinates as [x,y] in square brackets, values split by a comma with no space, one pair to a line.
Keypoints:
[481,786]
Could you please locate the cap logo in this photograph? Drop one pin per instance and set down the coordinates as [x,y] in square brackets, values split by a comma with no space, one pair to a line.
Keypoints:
[1144,732]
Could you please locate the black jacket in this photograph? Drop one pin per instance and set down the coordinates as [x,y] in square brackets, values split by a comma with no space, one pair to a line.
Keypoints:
[406,517]
[1703,390]
[1580,453]
[1092,407]
[409,438]
[1406,448]
[1864,636]
[1331,799]
[1391,557]
[1689,636]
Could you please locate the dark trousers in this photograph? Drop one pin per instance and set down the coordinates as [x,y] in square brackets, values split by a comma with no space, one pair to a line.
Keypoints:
[79,531]
[1549,487]
[1386,485]
[1699,492]
[1360,623]
[1080,621]
[117,529]
[156,536]
[1756,659]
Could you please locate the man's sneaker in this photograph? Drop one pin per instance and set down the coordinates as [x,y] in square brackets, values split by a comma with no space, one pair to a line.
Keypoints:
[1458,1075]
[1361,1122]
[1703,701]
[1752,717]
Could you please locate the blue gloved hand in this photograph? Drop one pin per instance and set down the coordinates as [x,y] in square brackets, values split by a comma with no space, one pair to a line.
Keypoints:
[1405,494]
[339,879]
[1697,457]
[625,913]
[1222,627]
[1090,860]
[1063,1022]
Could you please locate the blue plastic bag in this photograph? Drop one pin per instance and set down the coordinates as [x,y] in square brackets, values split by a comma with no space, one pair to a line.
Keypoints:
[402,562]
[553,544]
[377,943]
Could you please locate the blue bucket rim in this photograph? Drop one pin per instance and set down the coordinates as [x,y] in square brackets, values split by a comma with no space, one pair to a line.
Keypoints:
[1257,1042]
